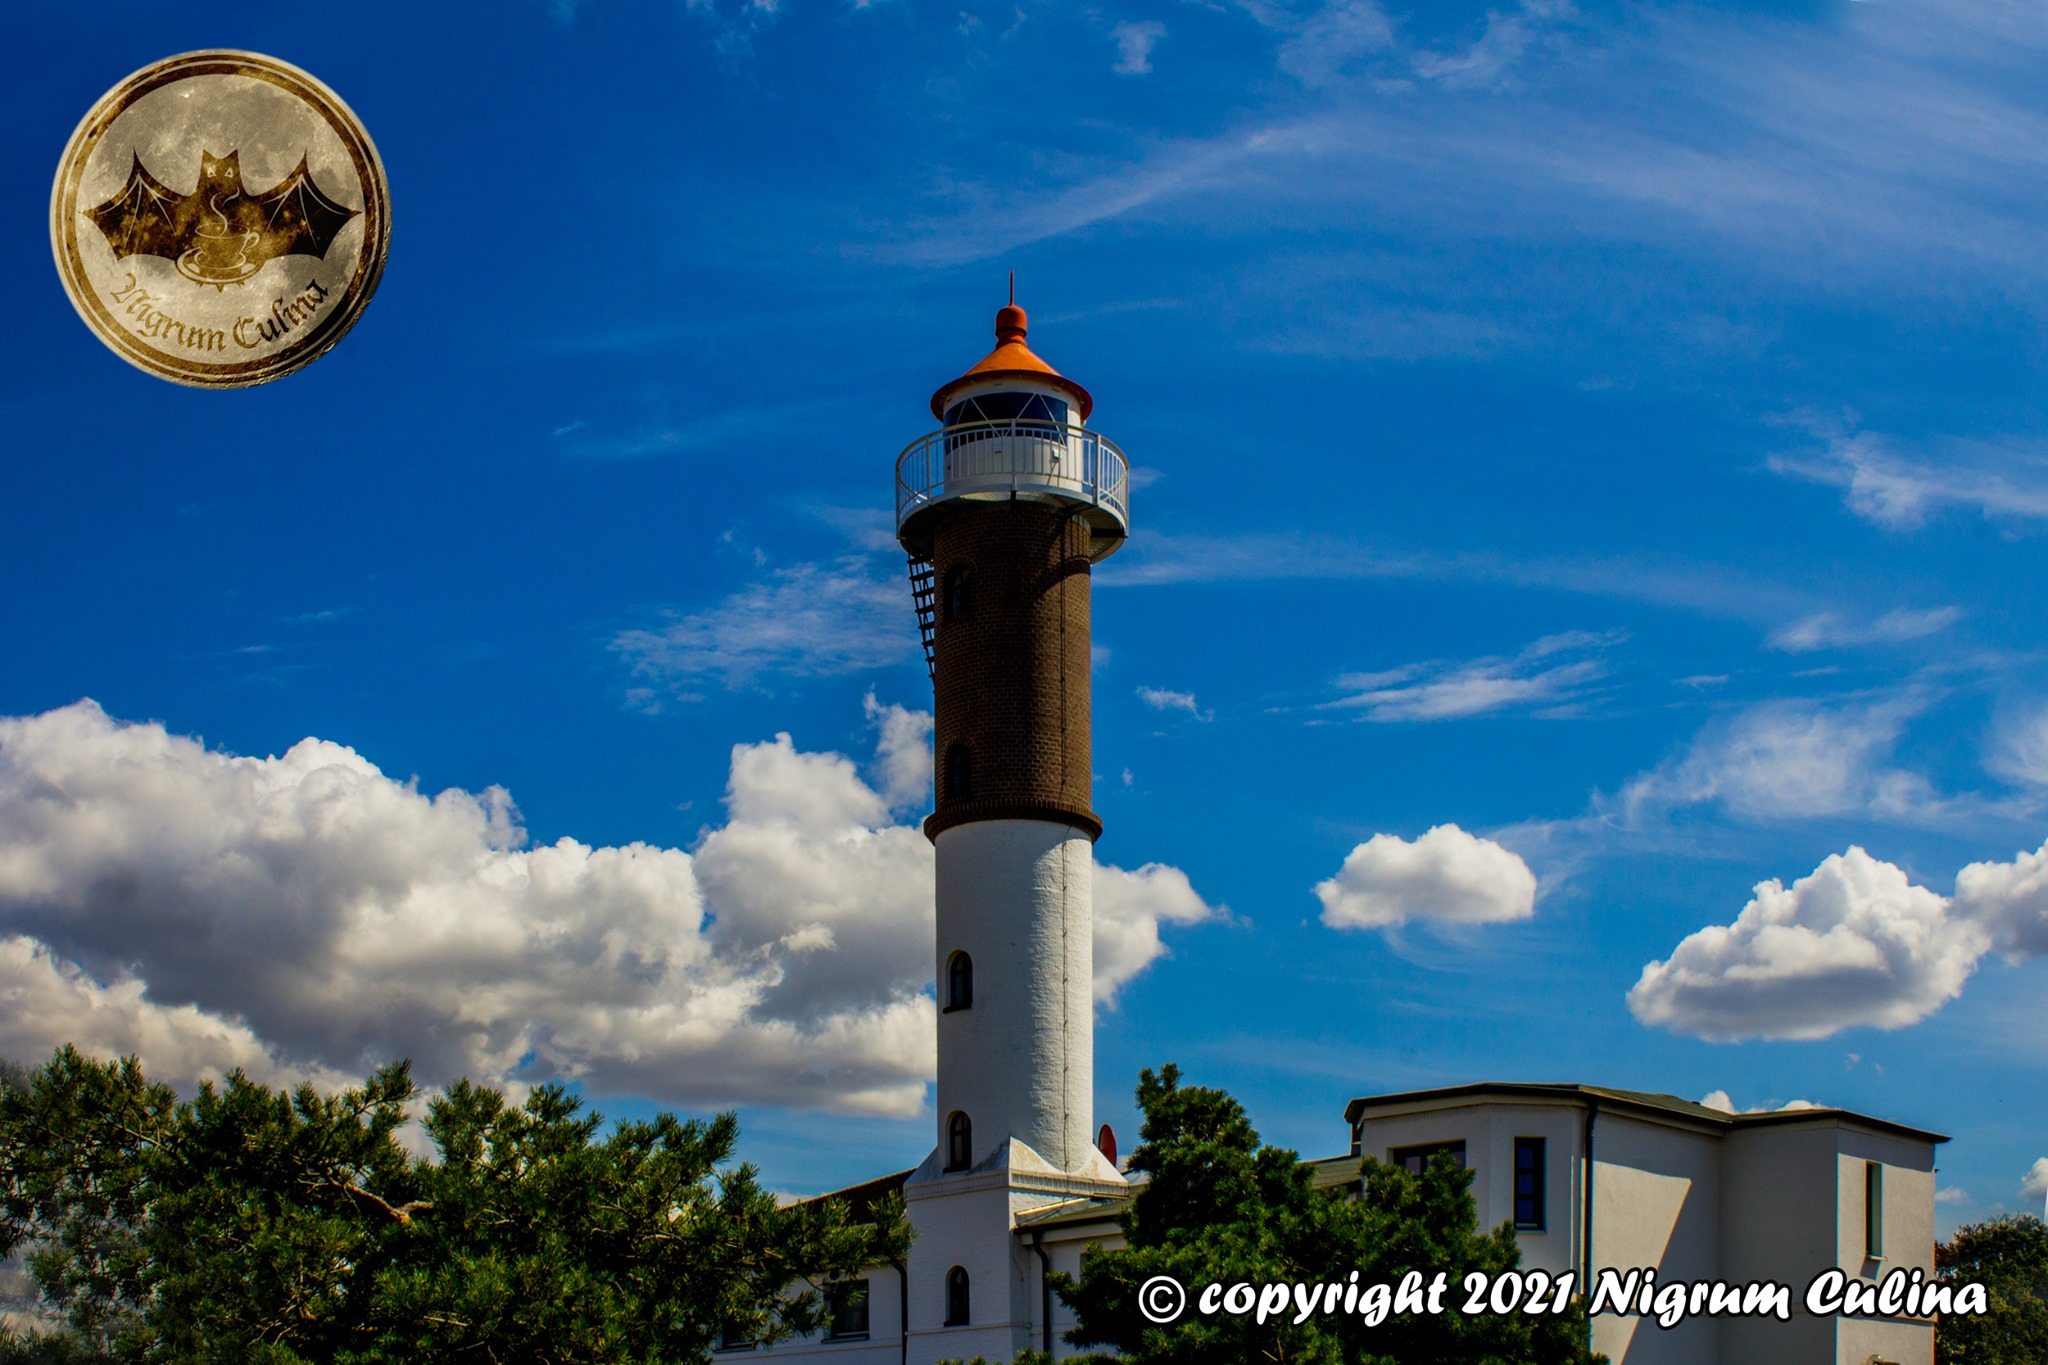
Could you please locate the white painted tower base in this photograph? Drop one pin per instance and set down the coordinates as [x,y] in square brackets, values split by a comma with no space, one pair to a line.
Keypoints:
[1017,897]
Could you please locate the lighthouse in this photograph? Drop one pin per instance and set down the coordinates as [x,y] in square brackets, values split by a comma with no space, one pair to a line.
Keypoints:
[1003,512]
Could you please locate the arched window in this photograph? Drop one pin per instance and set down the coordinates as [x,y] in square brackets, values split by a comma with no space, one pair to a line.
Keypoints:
[956,1297]
[958,582]
[959,774]
[959,981]
[959,1141]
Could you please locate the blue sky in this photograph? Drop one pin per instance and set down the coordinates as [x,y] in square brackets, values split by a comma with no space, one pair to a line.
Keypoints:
[1614,431]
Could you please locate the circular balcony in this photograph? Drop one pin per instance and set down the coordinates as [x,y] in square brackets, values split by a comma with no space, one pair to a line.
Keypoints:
[1008,461]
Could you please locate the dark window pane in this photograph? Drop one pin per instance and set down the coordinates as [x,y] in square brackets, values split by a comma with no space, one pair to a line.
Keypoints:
[1529,1184]
[956,1297]
[848,1303]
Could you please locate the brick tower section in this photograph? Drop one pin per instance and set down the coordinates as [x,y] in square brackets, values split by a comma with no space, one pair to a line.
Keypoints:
[1011,667]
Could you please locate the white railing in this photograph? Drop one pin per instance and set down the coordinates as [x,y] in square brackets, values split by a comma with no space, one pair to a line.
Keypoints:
[1019,456]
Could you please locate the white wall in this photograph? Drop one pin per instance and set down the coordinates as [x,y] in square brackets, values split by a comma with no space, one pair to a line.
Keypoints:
[1656,1204]
[1016,895]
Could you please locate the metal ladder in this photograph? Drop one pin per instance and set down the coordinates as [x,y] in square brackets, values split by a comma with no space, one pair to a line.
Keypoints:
[924,592]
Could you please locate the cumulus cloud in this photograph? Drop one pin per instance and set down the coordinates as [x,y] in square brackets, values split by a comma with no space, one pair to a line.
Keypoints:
[1719,1099]
[1825,630]
[1854,944]
[806,620]
[1129,908]
[306,915]
[2035,1183]
[1445,877]
[903,754]
[1551,673]
[1134,44]
[2009,901]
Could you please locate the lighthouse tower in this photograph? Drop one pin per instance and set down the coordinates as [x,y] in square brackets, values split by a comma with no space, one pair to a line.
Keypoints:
[1003,512]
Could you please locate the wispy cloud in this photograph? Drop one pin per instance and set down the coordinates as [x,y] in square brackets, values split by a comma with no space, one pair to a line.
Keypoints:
[1893,487]
[1161,699]
[1790,759]
[1551,674]
[1712,589]
[1134,44]
[1826,152]
[1826,630]
[806,620]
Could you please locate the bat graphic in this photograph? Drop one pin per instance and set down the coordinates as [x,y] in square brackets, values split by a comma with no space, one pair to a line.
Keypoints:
[219,234]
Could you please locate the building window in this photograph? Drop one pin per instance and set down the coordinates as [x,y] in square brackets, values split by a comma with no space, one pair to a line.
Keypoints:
[958,583]
[959,1141]
[847,1305]
[1035,408]
[959,774]
[1529,1184]
[1413,1159]
[1873,1210]
[959,982]
[733,1338]
[956,1297]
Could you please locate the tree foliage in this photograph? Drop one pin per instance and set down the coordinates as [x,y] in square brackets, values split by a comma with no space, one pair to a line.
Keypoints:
[252,1225]
[1220,1208]
[2009,1256]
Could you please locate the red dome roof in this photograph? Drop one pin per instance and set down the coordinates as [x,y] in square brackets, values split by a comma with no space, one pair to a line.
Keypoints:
[1012,359]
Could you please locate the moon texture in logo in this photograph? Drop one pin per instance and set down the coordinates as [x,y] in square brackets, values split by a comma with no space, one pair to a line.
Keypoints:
[220,219]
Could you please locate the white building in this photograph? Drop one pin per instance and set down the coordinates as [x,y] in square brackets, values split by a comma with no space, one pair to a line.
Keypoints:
[1002,511]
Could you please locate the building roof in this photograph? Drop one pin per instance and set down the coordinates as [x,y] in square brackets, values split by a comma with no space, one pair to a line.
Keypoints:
[1643,1102]
[862,1198]
[1012,359]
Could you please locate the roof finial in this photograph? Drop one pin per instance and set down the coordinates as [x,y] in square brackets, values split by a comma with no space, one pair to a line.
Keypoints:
[1010,320]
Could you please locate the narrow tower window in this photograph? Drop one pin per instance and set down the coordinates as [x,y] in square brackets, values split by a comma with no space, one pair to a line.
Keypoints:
[959,1141]
[1873,1210]
[956,1296]
[959,982]
[959,774]
[1529,1184]
[958,582]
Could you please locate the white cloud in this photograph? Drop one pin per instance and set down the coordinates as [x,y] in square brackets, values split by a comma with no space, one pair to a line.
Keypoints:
[1854,944]
[2035,1182]
[1134,43]
[2020,748]
[1825,630]
[2010,901]
[1495,53]
[307,915]
[1951,1194]
[807,620]
[1790,759]
[1445,877]
[903,754]
[1129,908]
[1160,699]
[1333,38]
[1720,1099]
[1900,491]
[1551,672]
[183,1043]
